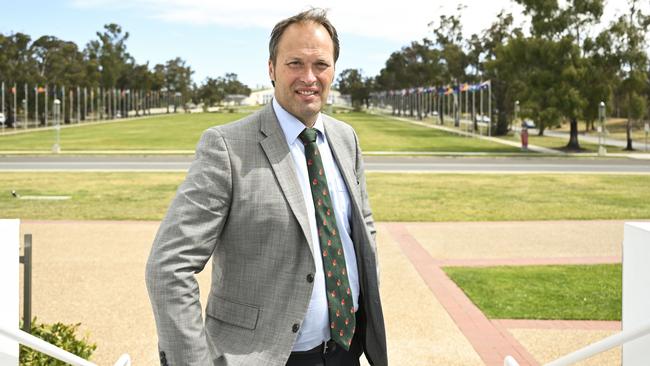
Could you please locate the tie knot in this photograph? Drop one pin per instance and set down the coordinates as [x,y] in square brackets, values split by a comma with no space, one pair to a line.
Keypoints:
[308,135]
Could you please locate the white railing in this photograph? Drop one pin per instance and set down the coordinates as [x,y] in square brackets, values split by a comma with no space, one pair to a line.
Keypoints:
[52,350]
[594,348]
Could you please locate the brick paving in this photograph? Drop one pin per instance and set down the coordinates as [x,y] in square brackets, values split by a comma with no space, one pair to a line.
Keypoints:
[491,339]
[93,272]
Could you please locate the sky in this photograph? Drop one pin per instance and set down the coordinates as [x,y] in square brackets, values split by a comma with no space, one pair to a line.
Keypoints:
[216,37]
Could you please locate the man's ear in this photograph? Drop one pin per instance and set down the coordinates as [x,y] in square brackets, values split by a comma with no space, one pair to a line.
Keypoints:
[272,73]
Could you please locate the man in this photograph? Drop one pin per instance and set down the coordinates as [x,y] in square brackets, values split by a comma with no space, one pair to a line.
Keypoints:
[278,200]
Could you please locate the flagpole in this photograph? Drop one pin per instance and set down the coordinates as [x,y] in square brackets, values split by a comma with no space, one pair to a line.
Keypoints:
[490,106]
[3,108]
[78,104]
[62,118]
[3,99]
[36,105]
[25,105]
[85,103]
[14,90]
[46,96]
[72,98]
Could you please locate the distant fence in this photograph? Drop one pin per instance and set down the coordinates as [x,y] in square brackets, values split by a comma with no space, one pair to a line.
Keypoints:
[28,106]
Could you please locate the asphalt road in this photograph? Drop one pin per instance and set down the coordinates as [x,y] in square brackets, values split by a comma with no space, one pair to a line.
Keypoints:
[373,164]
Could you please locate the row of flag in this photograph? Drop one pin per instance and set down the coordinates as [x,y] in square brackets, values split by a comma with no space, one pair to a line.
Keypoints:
[41,90]
[443,90]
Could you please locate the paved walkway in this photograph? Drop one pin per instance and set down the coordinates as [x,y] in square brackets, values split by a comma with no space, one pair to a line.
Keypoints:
[608,141]
[93,272]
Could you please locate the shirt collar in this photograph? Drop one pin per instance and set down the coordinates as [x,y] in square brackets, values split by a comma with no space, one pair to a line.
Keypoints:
[292,127]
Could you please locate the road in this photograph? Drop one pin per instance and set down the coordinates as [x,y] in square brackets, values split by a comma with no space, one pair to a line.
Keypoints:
[373,164]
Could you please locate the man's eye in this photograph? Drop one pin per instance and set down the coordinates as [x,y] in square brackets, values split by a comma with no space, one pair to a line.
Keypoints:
[294,63]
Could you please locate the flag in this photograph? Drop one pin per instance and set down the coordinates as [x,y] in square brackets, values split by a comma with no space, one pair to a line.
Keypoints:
[40,89]
[464,87]
[13,90]
[485,84]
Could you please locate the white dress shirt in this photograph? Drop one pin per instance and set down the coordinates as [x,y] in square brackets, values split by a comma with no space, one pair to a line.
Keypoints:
[315,327]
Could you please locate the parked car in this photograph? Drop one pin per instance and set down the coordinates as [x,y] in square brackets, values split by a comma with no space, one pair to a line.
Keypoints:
[528,123]
[482,118]
[2,119]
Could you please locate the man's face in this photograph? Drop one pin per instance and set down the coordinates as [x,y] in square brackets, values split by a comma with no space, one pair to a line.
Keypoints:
[303,70]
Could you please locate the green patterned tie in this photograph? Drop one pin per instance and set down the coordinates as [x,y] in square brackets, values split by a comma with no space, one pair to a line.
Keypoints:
[339,295]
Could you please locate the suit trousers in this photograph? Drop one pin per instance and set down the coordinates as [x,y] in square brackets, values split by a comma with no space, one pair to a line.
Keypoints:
[337,357]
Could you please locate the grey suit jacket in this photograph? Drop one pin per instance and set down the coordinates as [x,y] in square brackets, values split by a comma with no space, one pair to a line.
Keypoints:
[242,205]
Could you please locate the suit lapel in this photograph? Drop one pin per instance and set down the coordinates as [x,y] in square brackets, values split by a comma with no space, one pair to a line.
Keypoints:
[337,146]
[277,151]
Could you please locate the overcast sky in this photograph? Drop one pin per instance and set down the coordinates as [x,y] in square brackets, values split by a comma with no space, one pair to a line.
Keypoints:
[216,37]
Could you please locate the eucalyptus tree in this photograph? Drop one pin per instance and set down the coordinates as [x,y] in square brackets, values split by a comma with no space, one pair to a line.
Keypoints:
[17,67]
[630,43]
[504,87]
[559,71]
[59,62]
[352,82]
[109,54]
[178,78]
[448,39]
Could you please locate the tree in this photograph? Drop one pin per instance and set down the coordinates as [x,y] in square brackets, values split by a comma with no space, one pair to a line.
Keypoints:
[416,64]
[630,45]
[600,76]
[484,49]
[110,55]
[178,78]
[449,40]
[352,82]
[211,92]
[560,53]
[17,67]
[59,62]
[233,86]
[215,90]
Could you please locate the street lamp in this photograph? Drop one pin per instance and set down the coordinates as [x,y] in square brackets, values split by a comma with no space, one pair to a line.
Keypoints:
[601,129]
[514,122]
[56,148]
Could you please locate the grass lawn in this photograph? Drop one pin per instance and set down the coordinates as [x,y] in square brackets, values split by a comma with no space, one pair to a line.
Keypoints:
[164,132]
[490,197]
[576,292]
[382,133]
[394,197]
[182,131]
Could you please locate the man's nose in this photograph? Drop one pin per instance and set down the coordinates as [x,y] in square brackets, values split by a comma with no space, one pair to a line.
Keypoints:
[308,76]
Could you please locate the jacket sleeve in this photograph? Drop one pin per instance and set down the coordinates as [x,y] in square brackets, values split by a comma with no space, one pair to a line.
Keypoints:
[183,245]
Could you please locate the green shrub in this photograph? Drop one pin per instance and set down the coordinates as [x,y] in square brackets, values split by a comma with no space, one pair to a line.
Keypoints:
[60,335]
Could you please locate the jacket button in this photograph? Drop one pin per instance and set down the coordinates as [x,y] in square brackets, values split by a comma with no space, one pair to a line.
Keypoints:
[310,278]
[295,328]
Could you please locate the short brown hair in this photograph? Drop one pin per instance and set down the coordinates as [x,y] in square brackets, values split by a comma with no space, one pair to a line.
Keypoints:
[315,15]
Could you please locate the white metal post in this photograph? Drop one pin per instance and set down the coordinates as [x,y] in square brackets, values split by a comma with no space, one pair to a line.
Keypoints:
[636,297]
[9,313]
